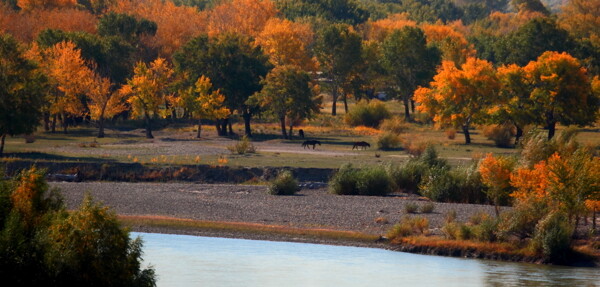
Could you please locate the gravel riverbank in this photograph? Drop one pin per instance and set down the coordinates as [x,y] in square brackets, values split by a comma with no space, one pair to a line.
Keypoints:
[310,208]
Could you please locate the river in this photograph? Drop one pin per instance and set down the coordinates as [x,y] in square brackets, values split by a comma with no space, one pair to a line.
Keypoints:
[182,260]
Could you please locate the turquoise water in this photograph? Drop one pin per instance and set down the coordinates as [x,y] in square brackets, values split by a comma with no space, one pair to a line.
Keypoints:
[181,260]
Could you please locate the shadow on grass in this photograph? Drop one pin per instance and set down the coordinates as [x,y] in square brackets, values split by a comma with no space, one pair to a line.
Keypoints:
[52,157]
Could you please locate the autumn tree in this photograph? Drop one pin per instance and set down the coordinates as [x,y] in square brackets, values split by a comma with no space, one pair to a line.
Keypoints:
[202,102]
[147,90]
[246,17]
[495,174]
[530,5]
[68,75]
[338,50]
[103,100]
[514,105]
[561,92]
[21,91]
[287,43]
[410,61]
[234,66]
[582,19]
[459,97]
[45,4]
[288,95]
[452,43]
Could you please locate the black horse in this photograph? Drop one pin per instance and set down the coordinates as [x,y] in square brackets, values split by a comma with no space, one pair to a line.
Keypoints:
[364,145]
[305,144]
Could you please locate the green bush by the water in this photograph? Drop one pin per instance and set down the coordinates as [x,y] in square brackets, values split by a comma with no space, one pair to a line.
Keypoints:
[41,244]
[284,184]
[365,181]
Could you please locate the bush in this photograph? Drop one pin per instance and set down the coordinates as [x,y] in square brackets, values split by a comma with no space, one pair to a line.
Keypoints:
[457,185]
[242,147]
[502,135]
[409,226]
[553,237]
[415,149]
[522,219]
[388,140]
[486,230]
[408,175]
[455,230]
[367,114]
[427,207]
[284,184]
[395,125]
[411,207]
[366,181]
[450,134]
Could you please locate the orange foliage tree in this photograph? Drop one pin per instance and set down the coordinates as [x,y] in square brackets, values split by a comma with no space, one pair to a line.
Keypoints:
[103,101]
[460,96]
[69,76]
[287,43]
[202,102]
[172,32]
[246,17]
[453,44]
[28,5]
[495,174]
[26,26]
[380,29]
[147,89]
[561,91]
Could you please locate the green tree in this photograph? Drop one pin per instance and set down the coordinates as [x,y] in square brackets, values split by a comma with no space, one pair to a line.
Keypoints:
[409,60]
[234,66]
[339,52]
[21,91]
[125,26]
[41,244]
[287,94]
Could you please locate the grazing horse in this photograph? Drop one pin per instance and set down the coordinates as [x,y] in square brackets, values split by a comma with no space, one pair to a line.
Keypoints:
[364,145]
[301,133]
[305,144]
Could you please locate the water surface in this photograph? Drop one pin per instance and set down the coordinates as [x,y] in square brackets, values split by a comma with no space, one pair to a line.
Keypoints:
[182,260]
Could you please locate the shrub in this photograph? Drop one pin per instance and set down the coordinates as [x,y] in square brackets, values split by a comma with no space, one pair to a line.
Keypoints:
[502,135]
[242,147]
[284,184]
[522,219]
[409,226]
[367,114]
[415,149]
[395,125]
[430,157]
[388,140]
[486,230]
[366,181]
[427,207]
[439,184]
[411,207]
[408,175]
[553,237]
[450,216]
[455,230]
[457,185]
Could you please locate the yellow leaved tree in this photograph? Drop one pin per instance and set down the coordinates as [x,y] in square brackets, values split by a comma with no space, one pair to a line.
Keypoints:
[202,102]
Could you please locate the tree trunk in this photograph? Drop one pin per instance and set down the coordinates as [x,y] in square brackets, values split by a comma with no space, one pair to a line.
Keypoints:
[412,105]
[551,129]
[518,135]
[199,128]
[465,129]
[229,126]
[101,127]
[53,126]
[224,126]
[220,132]
[46,121]
[593,215]
[283,129]
[334,100]
[290,134]
[345,103]
[65,124]
[2,144]
[405,100]
[247,117]
[148,127]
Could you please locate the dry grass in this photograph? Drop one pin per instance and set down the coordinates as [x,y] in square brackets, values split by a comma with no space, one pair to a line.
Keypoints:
[505,249]
[240,227]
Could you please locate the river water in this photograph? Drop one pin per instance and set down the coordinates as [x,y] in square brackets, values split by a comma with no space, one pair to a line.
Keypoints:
[182,260]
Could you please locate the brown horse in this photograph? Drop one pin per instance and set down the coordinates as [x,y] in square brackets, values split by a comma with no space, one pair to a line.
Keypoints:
[305,144]
[364,145]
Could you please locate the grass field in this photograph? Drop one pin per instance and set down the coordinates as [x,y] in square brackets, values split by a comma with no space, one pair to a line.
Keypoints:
[176,144]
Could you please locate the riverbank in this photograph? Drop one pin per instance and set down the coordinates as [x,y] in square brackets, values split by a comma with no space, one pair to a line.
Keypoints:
[311,216]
